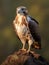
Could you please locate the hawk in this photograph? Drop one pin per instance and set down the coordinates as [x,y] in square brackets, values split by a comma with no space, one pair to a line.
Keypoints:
[27,29]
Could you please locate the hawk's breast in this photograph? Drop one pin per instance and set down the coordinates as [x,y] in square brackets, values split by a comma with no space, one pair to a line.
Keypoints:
[21,29]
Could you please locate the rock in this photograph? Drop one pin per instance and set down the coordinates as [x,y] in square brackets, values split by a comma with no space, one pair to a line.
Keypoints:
[24,58]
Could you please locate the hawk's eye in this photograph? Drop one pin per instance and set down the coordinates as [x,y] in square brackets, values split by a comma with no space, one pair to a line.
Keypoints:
[22,9]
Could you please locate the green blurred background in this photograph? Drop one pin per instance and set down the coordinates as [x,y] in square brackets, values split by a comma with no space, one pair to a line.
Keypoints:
[38,9]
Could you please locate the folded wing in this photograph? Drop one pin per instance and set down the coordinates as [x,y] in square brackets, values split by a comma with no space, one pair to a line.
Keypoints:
[34,29]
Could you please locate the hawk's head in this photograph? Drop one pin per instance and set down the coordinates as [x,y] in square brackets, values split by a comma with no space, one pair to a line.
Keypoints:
[22,10]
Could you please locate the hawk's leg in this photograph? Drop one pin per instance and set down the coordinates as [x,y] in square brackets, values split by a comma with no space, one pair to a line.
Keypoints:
[23,42]
[29,48]
[23,46]
[30,43]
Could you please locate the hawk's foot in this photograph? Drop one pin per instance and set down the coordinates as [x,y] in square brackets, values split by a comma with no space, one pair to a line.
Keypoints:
[23,49]
[28,51]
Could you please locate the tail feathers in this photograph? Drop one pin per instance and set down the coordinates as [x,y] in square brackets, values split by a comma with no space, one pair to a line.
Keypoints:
[36,45]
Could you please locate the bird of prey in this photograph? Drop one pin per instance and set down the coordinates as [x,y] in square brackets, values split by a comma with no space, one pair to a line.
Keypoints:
[27,29]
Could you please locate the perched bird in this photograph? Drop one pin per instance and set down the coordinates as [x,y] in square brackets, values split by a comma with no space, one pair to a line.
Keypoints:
[27,29]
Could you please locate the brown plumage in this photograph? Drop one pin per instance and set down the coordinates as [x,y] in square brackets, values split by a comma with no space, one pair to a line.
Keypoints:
[27,29]
[23,32]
